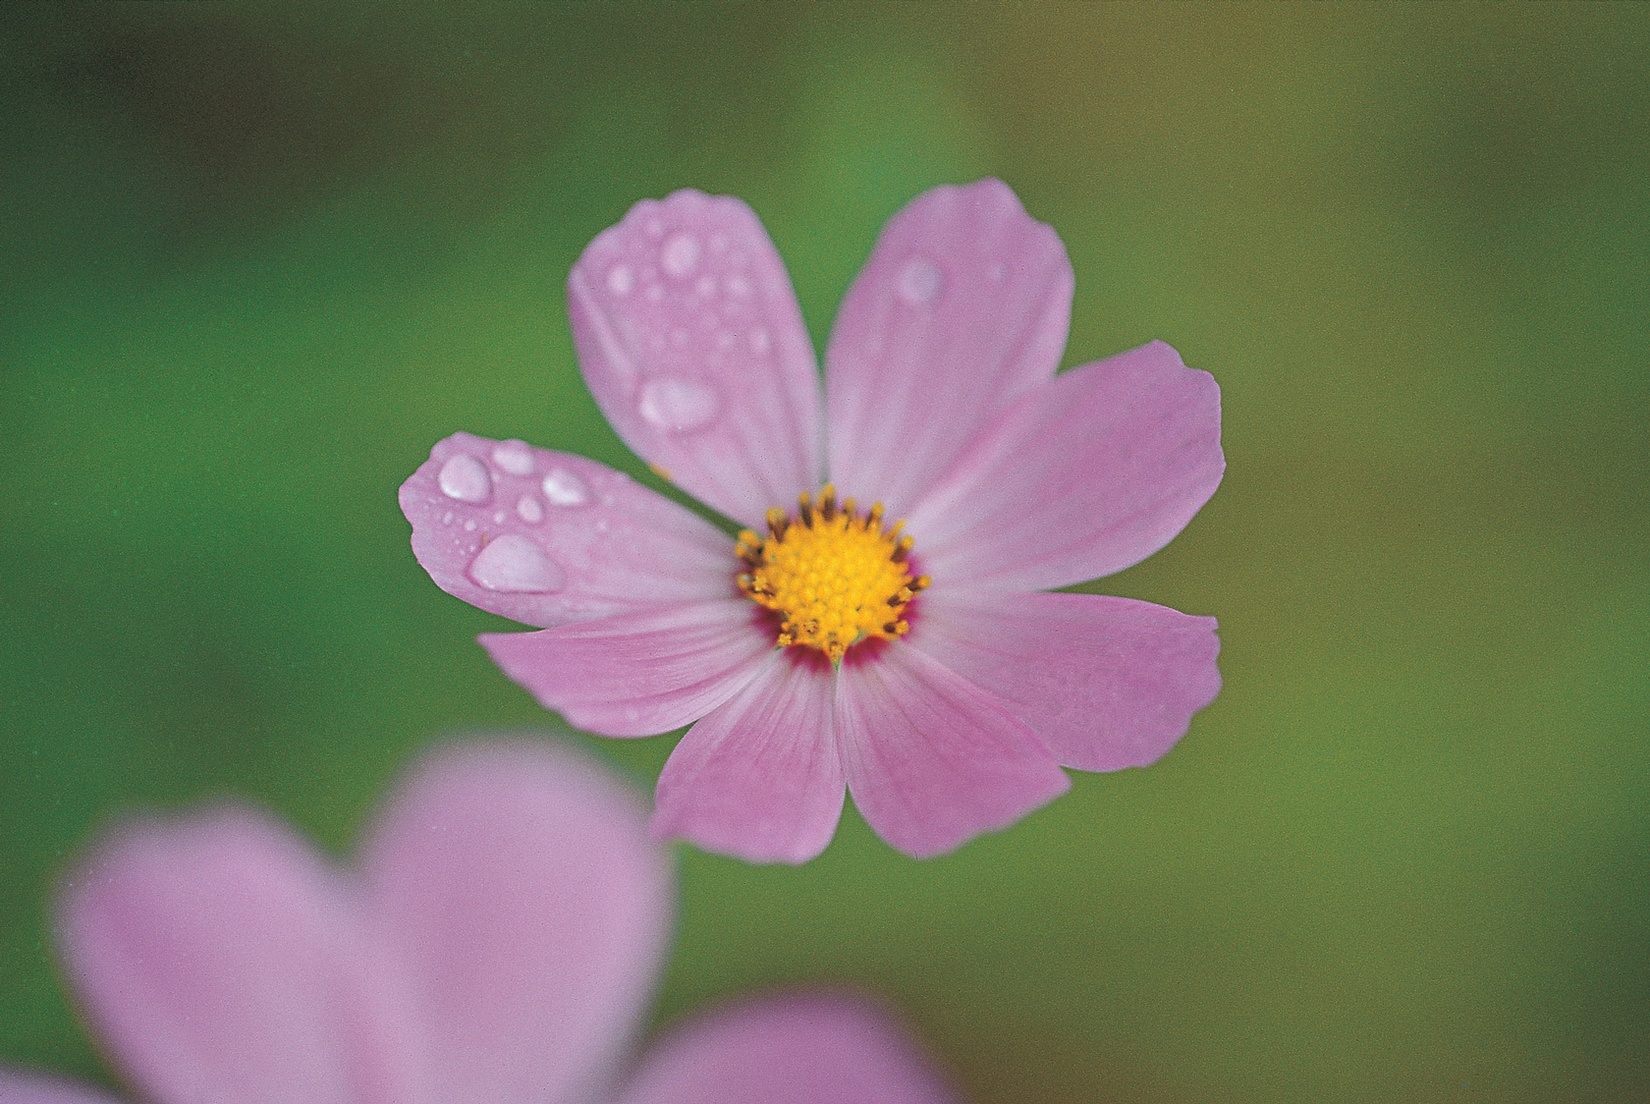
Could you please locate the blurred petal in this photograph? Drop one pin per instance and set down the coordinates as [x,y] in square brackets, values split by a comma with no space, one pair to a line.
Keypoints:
[932,760]
[797,1049]
[690,339]
[640,673]
[1106,682]
[17,1087]
[1084,477]
[759,777]
[963,306]
[532,912]
[548,538]
[219,960]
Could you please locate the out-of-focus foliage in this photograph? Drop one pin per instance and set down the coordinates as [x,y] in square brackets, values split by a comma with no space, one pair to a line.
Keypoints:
[254,261]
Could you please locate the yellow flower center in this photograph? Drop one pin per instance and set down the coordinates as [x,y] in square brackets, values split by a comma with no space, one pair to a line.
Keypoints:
[833,575]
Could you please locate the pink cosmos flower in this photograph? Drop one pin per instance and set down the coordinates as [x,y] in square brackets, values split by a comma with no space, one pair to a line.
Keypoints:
[495,942]
[918,662]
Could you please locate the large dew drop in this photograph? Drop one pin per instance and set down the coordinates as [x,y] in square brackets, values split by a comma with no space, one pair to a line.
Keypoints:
[920,281]
[678,405]
[563,488]
[620,280]
[680,255]
[513,457]
[529,509]
[465,478]
[512,564]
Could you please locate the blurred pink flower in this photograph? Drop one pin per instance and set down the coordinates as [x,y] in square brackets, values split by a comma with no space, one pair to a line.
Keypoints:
[921,667]
[495,942]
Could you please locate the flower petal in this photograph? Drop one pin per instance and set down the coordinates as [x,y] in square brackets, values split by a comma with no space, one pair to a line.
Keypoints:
[1106,682]
[549,538]
[803,1048]
[759,777]
[1082,478]
[690,339]
[532,911]
[963,306]
[218,959]
[932,760]
[640,673]
[17,1087]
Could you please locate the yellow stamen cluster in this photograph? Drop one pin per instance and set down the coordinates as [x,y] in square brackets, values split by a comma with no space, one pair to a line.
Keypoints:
[833,575]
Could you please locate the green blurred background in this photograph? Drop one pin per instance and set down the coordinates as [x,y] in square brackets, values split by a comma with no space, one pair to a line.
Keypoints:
[255,261]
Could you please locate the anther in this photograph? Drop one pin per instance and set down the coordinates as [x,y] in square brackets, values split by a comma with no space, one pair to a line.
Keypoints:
[831,574]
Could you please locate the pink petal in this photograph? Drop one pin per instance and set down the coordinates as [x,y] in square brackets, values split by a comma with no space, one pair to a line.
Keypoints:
[17,1087]
[640,673]
[218,959]
[547,538]
[1082,478]
[1106,682]
[759,777]
[963,306]
[931,759]
[797,1049]
[690,339]
[532,911]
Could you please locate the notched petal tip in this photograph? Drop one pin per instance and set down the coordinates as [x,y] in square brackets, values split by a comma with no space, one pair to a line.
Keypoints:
[690,339]
[933,760]
[759,777]
[963,305]
[1083,477]
[1105,682]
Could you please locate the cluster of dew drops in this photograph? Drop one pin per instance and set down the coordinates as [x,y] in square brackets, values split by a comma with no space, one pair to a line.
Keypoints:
[668,399]
[511,563]
[675,396]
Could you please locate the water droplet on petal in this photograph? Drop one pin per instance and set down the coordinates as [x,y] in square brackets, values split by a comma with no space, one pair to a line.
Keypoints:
[919,282]
[760,341]
[620,280]
[465,478]
[470,525]
[529,509]
[679,405]
[738,287]
[514,457]
[513,564]
[447,518]
[563,488]
[498,517]
[680,255]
